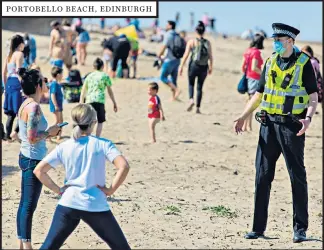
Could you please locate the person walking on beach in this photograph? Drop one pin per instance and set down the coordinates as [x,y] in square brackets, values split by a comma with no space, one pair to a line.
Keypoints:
[93,93]
[56,97]
[84,196]
[70,36]
[316,66]
[252,63]
[177,18]
[287,93]
[33,133]
[201,64]
[175,46]
[81,44]
[192,20]
[57,34]
[102,23]
[12,87]
[57,55]
[155,111]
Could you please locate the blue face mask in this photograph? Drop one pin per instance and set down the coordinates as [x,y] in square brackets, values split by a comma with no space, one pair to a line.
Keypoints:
[279,47]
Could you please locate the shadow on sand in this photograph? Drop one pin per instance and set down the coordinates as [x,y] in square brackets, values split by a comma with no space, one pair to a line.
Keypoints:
[111,199]
[9,170]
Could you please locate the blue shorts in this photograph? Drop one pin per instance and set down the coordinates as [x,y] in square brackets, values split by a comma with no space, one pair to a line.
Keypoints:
[170,68]
[57,63]
[84,37]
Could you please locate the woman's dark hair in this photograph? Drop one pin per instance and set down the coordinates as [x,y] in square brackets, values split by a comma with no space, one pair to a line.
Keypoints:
[200,28]
[98,64]
[55,71]
[257,42]
[79,29]
[14,44]
[30,79]
[308,49]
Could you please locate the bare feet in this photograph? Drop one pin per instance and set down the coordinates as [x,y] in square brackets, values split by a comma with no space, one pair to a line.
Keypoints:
[177,93]
[14,136]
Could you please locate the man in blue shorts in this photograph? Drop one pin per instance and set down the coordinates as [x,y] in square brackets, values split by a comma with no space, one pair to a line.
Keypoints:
[170,64]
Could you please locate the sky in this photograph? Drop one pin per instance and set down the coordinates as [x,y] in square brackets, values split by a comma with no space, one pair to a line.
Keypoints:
[235,17]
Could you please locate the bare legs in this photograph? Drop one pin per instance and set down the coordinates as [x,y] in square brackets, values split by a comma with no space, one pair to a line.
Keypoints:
[99,129]
[248,122]
[152,124]
[81,50]
[58,120]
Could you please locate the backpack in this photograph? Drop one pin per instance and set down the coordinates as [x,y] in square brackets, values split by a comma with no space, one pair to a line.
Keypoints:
[75,77]
[178,46]
[201,55]
[72,89]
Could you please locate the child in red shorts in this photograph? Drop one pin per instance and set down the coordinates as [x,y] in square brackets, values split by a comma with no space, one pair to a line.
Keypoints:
[155,112]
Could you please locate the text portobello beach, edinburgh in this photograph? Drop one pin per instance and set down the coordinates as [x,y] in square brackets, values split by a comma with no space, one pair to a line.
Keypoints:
[73,9]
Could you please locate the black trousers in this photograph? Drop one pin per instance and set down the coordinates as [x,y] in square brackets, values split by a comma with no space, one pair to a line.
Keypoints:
[275,139]
[9,125]
[199,72]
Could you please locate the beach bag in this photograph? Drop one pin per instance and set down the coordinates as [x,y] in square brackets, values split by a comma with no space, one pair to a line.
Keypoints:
[242,86]
[119,71]
[201,54]
[178,46]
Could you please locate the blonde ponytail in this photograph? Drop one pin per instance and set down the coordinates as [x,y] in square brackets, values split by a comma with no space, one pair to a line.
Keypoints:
[83,116]
[76,132]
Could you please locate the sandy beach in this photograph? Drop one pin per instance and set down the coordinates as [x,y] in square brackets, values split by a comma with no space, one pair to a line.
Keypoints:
[175,190]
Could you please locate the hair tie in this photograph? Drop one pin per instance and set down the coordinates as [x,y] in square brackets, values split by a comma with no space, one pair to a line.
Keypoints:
[81,126]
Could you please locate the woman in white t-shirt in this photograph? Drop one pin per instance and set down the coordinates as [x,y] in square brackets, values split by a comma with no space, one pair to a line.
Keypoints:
[84,196]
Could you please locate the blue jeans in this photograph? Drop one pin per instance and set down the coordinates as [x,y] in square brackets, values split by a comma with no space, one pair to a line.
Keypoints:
[31,188]
[66,219]
[170,68]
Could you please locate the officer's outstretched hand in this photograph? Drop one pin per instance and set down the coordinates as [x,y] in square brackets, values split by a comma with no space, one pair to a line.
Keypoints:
[238,125]
[305,123]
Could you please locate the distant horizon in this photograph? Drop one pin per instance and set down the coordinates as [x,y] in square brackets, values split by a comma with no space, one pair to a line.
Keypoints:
[231,17]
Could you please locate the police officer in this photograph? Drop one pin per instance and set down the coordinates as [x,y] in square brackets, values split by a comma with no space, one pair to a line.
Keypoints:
[287,93]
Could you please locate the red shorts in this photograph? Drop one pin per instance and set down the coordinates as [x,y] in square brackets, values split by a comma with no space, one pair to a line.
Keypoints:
[155,115]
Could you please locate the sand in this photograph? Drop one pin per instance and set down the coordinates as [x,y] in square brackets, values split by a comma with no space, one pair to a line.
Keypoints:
[198,162]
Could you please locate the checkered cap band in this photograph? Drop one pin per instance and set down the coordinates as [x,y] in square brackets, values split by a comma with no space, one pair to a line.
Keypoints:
[286,32]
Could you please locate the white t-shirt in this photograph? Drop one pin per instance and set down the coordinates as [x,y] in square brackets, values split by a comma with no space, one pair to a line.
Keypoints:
[84,161]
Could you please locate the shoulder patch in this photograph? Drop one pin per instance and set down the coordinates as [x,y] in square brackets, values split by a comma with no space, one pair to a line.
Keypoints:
[303,58]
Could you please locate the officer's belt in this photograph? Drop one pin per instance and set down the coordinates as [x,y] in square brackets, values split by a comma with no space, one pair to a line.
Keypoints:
[279,118]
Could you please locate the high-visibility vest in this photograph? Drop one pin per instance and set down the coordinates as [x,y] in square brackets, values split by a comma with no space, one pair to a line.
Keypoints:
[294,98]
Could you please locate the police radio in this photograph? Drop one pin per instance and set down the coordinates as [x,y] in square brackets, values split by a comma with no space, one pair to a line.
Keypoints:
[286,80]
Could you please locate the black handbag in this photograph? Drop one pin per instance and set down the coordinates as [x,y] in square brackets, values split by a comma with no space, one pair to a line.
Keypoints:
[242,86]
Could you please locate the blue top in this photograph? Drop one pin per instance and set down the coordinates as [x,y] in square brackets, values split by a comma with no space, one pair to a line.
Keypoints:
[32,43]
[84,161]
[35,151]
[168,39]
[56,88]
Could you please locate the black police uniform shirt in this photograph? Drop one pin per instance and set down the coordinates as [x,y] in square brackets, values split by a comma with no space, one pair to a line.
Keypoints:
[308,77]
[119,49]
